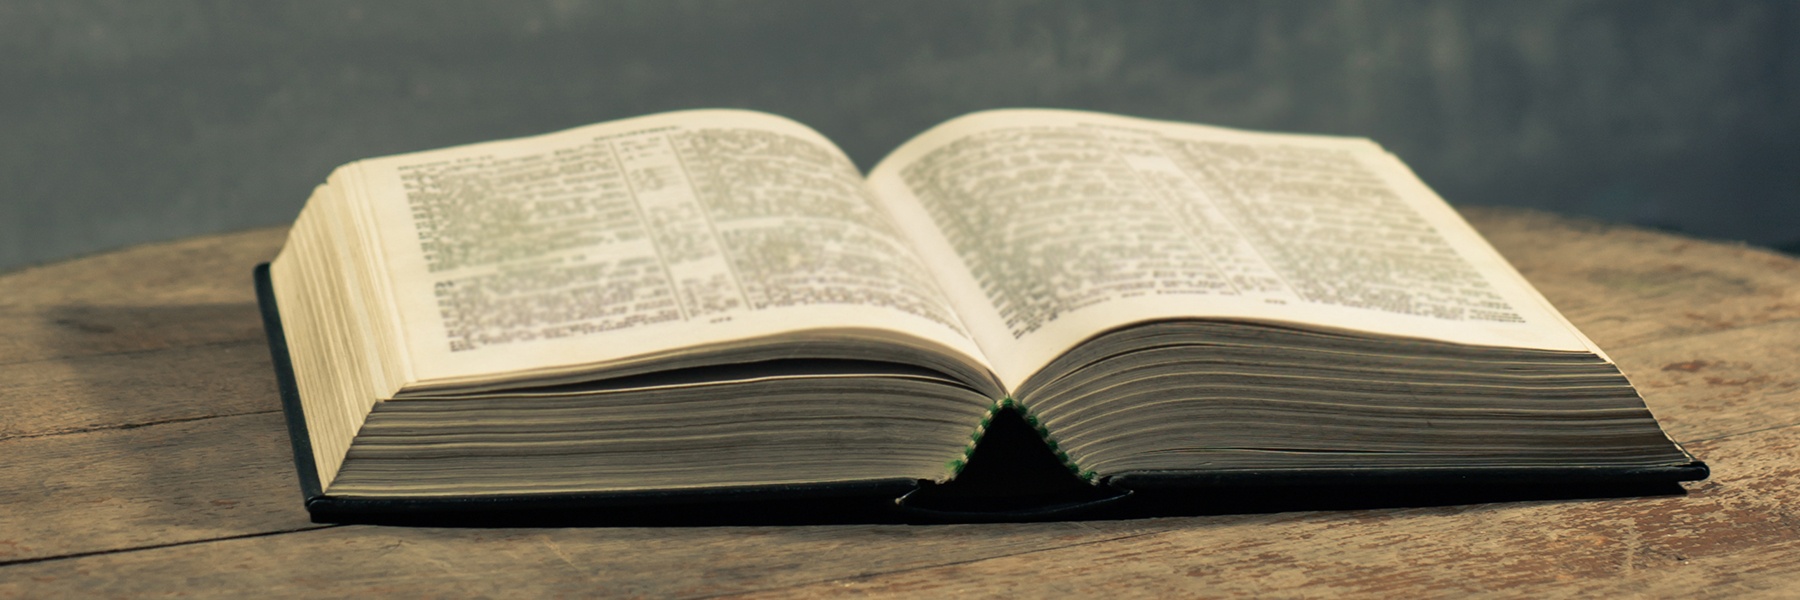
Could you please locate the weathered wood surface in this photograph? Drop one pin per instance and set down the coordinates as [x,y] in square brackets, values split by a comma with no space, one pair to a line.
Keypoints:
[141,454]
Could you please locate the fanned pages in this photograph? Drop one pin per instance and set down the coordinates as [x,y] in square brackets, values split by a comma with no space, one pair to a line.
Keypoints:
[1067,223]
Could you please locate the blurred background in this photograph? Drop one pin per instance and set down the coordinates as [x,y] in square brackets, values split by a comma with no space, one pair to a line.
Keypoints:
[130,121]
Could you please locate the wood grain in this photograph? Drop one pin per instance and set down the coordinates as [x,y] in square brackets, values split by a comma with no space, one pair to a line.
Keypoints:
[1565,548]
[76,331]
[164,332]
[1737,528]
[114,489]
[155,297]
[143,458]
[1714,384]
[1625,286]
[204,270]
[638,562]
[134,389]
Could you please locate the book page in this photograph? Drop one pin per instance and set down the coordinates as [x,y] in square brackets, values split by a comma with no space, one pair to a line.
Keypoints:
[638,239]
[1053,226]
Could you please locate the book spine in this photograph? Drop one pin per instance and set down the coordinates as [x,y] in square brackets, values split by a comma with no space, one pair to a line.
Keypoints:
[1049,440]
[957,466]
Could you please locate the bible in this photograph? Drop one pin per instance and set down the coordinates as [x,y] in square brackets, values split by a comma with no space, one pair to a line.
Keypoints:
[712,305]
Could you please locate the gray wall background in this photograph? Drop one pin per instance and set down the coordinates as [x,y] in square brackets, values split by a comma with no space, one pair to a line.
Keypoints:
[131,121]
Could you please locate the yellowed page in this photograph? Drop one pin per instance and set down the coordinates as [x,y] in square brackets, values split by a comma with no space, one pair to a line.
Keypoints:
[637,239]
[1048,227]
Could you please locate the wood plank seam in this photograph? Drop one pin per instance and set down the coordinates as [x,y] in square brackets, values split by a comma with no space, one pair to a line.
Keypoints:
[1738,433]
[75,555]
[258,341]
[1614,348]
[122,426]
[954,563]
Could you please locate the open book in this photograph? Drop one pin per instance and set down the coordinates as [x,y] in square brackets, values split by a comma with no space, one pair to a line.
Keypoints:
[717,300]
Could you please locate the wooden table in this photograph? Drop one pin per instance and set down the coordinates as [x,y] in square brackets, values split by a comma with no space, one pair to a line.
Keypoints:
[142,453]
